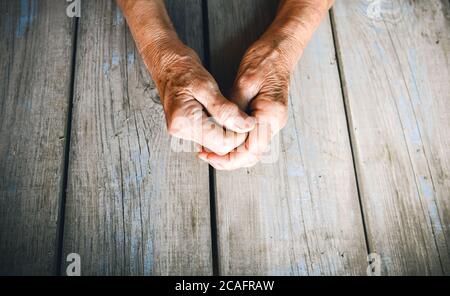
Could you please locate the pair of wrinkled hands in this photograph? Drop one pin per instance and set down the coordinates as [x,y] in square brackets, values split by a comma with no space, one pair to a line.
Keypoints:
[233,132]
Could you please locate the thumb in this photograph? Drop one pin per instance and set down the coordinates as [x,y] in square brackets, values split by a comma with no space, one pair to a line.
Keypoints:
[244,91]
[228,114]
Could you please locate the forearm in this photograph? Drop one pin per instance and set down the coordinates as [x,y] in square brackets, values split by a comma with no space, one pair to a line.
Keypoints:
[294,25]
[154,34]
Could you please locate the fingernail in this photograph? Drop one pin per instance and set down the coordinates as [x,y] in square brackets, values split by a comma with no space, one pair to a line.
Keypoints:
[245,124]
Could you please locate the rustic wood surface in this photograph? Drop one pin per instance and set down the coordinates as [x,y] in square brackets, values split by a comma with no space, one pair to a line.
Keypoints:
[395,65]
[35,63]
[287,217]
[134,206]
[363,165]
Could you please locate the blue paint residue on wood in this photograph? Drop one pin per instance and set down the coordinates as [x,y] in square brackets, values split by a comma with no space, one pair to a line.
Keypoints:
[409,122]
[428,193]
[28,13]
[119,16]
[130,58]
[148,263]
[11,189]
[415,95]
[381,52]
[26,104]
[295,171]
[115,60]
[106,68]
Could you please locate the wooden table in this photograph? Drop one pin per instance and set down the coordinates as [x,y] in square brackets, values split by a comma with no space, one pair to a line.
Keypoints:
[87,167]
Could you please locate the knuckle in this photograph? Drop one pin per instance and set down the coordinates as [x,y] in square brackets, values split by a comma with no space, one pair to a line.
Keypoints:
[245,81]
[225,111]
[182,118]
[176,124]
[275,113]
[173,124]
[242,82]
[280,113]
[225,146]
[203,84]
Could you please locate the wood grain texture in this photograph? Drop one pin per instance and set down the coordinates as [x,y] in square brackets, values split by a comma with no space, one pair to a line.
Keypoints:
[395,65]
[35,66]
[299,215]
[134,206]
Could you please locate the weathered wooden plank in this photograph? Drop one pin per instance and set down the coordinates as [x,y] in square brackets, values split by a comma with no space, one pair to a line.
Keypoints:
[134,205]
[300,215]
[35,67]
[395,65]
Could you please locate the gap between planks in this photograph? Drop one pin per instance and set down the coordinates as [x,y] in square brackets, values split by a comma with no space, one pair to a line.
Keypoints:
[211,171]
[348,118]
[62,209]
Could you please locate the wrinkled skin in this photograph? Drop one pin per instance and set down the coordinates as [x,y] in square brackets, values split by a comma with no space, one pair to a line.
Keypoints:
[261,88]
[194,107]
[262,83]
[190,96]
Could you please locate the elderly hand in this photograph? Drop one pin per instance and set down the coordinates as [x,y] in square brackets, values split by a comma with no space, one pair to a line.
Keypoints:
[188,92]
[262,84]
[190,95]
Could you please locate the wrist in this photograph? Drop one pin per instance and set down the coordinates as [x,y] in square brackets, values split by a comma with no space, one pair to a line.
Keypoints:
[164,58]
[287,47]
[294,26]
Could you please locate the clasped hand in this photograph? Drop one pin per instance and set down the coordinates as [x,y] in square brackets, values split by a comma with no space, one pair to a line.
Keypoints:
[235,132]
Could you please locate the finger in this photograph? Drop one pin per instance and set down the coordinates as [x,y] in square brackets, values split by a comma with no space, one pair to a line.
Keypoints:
[227,113]
[216,139]
[197,127]
[231,161]
[271,114]
[245,88]
[223,111]
[247,155]
[271,117]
